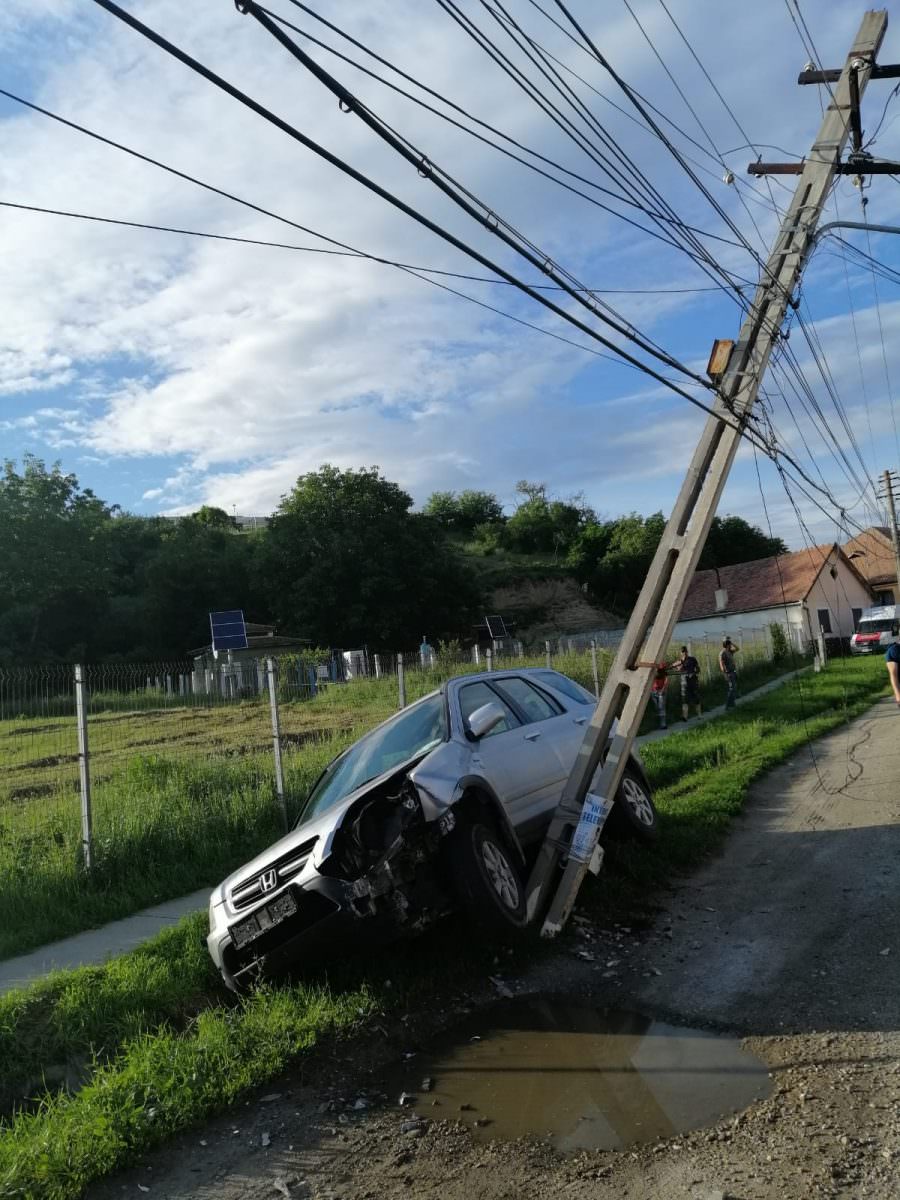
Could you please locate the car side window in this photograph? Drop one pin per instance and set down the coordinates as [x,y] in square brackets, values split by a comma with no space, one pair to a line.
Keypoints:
[534,704]
[474,695]
[568,687]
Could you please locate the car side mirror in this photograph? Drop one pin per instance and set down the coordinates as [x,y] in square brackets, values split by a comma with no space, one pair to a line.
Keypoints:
[484,719]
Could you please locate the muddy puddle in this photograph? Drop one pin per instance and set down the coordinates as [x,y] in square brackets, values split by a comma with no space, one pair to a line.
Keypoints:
[580,1077]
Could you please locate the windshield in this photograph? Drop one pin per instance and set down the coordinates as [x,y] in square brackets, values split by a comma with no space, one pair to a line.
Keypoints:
[876,626]
[413,732]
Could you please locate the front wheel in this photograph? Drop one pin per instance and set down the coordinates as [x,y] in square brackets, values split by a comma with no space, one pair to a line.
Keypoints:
[486,878]
[634,813]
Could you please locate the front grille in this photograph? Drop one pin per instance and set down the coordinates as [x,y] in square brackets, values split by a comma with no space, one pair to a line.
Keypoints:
[245,894]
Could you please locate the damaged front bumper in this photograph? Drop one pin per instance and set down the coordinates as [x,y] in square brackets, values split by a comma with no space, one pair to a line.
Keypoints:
[324,919]
[321,912]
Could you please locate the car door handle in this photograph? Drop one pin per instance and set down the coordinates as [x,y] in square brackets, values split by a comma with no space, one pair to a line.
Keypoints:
[532,737]
[579,720]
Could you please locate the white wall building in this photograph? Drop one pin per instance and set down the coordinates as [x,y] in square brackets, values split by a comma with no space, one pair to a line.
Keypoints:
[802,592]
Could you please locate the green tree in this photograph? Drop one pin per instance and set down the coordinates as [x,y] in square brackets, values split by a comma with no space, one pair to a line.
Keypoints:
[478,508]
[348,562]
[733,540]
[53,565]
[216,518]
[463,513]
[544,525]
[443,508]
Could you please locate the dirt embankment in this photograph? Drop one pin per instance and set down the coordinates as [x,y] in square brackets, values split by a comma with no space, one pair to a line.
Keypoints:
[789,938]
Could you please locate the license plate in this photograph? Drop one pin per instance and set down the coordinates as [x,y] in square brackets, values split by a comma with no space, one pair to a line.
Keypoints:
[263,920]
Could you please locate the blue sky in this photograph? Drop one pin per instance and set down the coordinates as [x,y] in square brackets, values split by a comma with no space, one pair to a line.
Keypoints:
[167,371]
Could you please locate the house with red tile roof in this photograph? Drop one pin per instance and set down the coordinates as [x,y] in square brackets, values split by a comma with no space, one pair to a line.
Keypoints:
[872,553]
[820,587]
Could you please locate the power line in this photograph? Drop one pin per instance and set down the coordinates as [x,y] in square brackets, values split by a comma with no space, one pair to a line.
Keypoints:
[485,125]
[729,110]
[673,150]
[887,373]
[349,253]
[599,157]
[396,202]
[410,270]
[689,106]
[742,185]
[468,202]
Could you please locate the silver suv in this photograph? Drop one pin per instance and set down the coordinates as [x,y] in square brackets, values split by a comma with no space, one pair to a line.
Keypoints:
[434,809]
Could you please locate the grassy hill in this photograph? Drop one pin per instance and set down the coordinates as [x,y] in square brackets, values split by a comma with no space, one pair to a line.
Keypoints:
[540,594]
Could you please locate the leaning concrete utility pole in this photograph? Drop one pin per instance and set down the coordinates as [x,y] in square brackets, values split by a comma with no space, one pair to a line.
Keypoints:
[579,815]
[888,478]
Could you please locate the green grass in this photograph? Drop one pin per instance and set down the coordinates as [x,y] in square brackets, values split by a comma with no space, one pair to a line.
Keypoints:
[163,827]
[169,1049]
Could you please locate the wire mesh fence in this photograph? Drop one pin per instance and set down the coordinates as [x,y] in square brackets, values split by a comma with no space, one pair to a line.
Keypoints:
[187,770]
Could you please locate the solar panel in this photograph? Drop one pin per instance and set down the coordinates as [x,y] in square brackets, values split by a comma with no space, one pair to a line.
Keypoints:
[229,632]
[496,626]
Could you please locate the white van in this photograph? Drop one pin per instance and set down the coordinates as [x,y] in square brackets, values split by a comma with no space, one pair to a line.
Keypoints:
[877,628]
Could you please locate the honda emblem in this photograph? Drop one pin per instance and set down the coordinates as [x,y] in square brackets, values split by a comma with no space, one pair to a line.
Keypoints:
[268,880]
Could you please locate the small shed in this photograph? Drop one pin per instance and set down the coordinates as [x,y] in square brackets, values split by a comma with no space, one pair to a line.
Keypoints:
[238,672]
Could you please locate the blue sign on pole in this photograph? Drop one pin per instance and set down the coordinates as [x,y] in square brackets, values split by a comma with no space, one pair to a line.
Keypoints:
[229,632]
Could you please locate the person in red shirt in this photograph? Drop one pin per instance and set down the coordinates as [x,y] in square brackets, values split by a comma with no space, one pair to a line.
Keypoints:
[658,691]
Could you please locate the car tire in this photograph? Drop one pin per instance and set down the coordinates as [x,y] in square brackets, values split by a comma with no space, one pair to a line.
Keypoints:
[634,813]
[486,878]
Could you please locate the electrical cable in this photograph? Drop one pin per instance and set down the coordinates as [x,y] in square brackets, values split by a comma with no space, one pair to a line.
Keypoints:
[395,201]
[468,202]
[565,124]
[743,185]
[687,102]
[729,110]
[480,137]
[884,359]
[771,450]
[673,150]
[348,253]
[410,270]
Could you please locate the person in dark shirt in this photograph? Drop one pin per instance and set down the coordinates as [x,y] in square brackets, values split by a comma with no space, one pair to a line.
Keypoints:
[892,659]
[689,670]
[729,671]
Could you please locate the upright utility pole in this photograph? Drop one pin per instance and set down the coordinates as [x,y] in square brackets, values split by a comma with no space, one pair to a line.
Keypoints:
[892,513]
[577,820]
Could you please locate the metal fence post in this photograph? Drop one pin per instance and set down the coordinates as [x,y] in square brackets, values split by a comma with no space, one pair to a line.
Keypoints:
[377,666]
[87,833]
[276,738]
[594,667]
[547,649]
[706,655]
[489,658]
[401,681]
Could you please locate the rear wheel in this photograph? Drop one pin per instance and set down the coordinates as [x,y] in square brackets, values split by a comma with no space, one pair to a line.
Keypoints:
[634,813]
[486,878]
